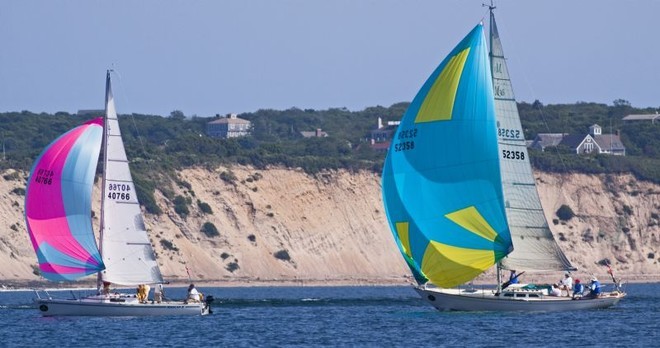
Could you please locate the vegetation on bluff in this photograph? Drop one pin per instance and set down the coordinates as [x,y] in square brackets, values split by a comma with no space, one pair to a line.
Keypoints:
[158,146]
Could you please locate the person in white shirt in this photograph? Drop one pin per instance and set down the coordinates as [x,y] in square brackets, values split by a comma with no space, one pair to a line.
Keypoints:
[554,291]
[566,284]
[158,293]
[193,294]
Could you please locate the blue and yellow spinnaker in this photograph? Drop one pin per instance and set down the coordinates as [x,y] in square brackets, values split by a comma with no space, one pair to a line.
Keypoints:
[441,179]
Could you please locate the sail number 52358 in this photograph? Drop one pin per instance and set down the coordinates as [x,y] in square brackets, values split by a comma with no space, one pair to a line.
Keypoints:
[406,141]
[516,155]
[508,133]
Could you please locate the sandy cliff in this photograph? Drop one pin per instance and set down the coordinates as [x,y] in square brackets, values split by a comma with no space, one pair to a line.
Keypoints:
[284,225]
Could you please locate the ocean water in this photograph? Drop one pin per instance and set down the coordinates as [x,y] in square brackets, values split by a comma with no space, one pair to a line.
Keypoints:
[336,316]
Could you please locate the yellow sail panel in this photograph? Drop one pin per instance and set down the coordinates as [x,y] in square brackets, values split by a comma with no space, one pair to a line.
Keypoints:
[439,102]
[471,220]
[448,266]
[402,232]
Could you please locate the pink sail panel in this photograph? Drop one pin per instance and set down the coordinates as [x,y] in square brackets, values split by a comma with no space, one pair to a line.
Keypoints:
[58,204]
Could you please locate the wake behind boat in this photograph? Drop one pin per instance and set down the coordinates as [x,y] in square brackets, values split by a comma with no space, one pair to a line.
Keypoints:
[459,192]
[58,210]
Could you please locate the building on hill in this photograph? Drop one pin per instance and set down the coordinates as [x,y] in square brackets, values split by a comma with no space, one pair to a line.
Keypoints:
[653,118]
[381,136]
[593,142]
[318,133]
[229,126]
[543,140]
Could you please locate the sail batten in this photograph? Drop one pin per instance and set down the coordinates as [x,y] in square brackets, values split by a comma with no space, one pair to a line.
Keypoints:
[535,248]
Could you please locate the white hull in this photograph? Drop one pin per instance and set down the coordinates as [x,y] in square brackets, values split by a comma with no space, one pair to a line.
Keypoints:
[485,300]
[102,306]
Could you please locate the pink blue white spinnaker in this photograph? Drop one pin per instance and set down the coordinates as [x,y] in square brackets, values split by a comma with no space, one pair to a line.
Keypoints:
[58,204]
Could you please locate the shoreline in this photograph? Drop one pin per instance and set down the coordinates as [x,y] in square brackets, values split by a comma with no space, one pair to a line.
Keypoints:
[288,282]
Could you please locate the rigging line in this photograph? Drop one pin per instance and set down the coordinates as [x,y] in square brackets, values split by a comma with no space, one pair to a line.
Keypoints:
[125,97]
[489,7]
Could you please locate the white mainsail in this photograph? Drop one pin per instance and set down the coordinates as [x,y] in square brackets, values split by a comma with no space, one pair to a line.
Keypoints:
[534,245]
[125,246]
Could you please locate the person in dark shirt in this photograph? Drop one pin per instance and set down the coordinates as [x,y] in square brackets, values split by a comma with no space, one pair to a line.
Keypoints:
[578,289]
[594,288]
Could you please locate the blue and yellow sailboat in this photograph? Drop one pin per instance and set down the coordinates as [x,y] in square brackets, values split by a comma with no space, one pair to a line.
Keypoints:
[458,187]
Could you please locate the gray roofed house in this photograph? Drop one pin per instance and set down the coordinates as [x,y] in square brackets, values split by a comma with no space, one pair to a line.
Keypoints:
[228,127]
[318,133]
[543,140]
[653,118]
[595,142]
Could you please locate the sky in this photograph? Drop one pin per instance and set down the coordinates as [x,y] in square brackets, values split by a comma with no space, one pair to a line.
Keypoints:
[219,56]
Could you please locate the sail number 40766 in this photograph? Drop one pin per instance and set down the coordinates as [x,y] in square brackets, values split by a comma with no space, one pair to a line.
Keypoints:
[119,192]
[44,176]
[515,155]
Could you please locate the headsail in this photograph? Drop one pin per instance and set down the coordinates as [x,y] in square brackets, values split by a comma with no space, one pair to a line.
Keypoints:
[125,245]
[441,179]
[58,204]
[534,246]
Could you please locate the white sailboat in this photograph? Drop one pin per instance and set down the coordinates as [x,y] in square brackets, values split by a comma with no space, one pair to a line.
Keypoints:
[58,211]
[459,191]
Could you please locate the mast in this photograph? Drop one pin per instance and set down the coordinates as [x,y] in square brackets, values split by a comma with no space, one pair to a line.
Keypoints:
[108,94]
[491,7]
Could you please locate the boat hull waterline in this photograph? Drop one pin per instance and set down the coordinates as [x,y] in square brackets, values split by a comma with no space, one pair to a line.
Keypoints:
[97,307]
[486,300]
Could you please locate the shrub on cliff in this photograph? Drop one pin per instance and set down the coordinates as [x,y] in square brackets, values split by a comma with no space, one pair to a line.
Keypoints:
[565,213]
[204,207]
[210,230]
[181,206]
[282,255]
[228,177]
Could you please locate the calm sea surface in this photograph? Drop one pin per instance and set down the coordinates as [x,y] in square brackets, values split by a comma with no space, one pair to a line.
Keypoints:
[336,316]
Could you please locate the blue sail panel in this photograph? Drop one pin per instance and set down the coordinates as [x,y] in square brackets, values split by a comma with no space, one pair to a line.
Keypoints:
[441,176]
